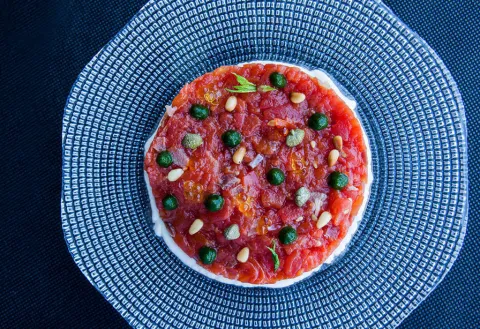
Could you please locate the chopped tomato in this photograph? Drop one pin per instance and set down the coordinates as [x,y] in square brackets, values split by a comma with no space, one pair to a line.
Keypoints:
[340,209]
[272,199]
[293,263]
[289,213]
[259,206]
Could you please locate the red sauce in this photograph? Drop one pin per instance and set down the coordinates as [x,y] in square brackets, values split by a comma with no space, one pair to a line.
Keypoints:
[259,208]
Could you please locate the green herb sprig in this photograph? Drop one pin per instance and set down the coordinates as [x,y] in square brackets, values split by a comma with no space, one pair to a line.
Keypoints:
[245,86]
[276,261]
[266,88]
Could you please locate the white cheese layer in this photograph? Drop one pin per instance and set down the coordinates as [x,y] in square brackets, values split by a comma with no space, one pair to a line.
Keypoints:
[161,230]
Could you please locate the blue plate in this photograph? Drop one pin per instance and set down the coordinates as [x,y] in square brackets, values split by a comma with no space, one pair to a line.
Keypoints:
[412,112]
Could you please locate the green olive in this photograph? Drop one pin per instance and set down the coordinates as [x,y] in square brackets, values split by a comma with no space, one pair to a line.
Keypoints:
[275,176]
[199,112]
[278,80]
[214,202]
[287,235]
[170,202]
[207,255]
[231,138]
[337,180]
[318,121]
[164,159]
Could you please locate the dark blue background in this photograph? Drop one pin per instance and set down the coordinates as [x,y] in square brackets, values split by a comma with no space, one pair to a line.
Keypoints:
[45,44]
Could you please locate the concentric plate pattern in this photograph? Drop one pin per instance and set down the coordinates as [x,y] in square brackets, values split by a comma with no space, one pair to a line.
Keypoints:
[409,105]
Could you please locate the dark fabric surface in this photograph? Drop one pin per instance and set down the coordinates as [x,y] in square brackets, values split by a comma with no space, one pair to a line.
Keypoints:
[44,45]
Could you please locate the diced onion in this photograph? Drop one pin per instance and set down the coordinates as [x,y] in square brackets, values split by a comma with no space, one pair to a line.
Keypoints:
[236,190]
[273,227]
[318,199]
[159,144]
[332,232]
[256,161]
[170,110]
[228,181]
[179,156]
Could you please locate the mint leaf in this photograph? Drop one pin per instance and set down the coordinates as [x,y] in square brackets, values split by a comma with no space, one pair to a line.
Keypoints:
[266,88]
[242,81]
[276,261]
[242,89]
[246,86]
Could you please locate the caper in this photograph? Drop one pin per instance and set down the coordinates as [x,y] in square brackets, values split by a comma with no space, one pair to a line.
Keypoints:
[207,255]
[170,202]
[231,138]
[164,159]
[337,180]
[214,202]
[275,176]
[199,112]
[318,121]
[278,80]
[287,235]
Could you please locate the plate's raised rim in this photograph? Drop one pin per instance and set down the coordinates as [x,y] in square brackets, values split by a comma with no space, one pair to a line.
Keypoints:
[463,125]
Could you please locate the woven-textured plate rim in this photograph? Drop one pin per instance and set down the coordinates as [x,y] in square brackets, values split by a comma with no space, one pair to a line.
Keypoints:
[132,320]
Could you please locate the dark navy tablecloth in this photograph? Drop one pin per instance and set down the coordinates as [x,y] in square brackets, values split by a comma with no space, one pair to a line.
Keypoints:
[45,44]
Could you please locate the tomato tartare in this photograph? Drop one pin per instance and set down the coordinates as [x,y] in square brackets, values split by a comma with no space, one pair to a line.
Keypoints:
[257,171]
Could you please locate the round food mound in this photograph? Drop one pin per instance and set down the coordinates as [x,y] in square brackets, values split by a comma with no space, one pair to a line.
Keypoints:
[258,171]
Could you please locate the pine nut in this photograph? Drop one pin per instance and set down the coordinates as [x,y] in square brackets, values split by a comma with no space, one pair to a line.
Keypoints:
[297,98]
[299,219]
[333,157]
[338,142]
[239,154]
[195,227]
[231,103]
[174,174]
[313,143]
[324,218]
[242,256]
